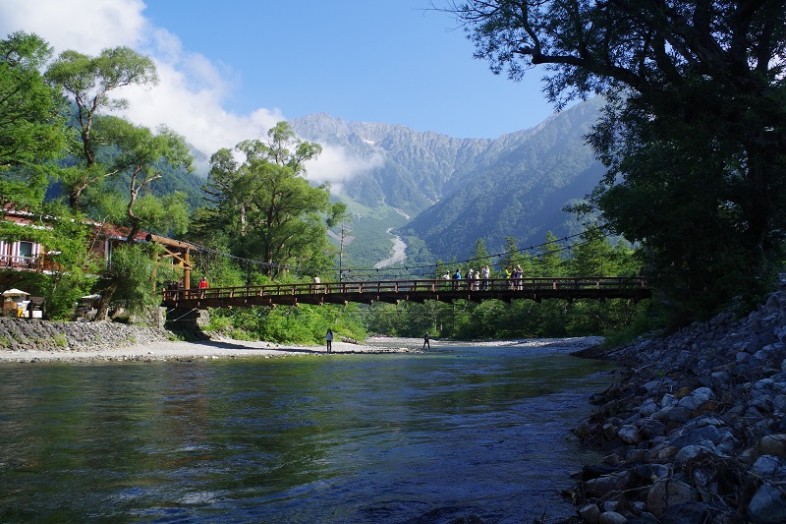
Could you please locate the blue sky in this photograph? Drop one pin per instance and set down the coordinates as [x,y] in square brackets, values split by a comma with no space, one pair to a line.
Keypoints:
[229,71]
[392,61]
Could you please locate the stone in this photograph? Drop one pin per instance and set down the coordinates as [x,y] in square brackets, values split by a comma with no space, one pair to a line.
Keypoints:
[610,431]
[690,452]
[677,415]
[611,517]
[629,434]
[662,454]
[690,513]
[648,407]
[602,486]
[768,505]
[590,513]
[651,428]
[768,466]
[668,400]
[651,473]
[773,445]
[668,493]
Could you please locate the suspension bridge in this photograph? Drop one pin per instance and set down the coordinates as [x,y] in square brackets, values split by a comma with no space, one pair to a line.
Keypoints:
[395,291]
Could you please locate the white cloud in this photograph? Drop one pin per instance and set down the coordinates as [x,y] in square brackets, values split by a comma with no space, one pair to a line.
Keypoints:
[334,165]
[86,26]
[189,96]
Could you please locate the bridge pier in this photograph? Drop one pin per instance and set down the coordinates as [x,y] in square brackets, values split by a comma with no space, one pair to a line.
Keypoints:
[187,322]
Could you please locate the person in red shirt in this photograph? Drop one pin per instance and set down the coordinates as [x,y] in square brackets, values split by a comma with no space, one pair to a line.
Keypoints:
[202,287]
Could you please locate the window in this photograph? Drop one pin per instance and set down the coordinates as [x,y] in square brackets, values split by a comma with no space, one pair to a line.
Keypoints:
[26,249]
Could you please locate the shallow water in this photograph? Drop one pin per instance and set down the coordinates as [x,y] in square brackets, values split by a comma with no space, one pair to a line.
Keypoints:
[481,432]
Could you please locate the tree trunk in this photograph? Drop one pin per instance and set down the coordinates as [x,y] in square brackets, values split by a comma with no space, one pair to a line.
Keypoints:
[106,299]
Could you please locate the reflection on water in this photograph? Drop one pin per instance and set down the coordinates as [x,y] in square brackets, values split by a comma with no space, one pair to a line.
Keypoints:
[477,432]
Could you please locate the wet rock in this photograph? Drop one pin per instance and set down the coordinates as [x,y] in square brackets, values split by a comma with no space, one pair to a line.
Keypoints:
[602,486]
[702,431]
[691,513]
[666,494]
[691,452]
[768,505]
[651,428]
[590,513]
[767,466]
[611,517]
[773,445]
[629,434]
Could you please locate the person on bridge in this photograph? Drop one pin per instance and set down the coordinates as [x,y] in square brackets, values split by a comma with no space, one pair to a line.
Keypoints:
[426,343]
[329,340]
[485,275]
[518,277]
[203,285]
[456,278]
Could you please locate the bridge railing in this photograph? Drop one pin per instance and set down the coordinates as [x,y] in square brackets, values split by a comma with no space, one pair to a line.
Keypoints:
[530,284]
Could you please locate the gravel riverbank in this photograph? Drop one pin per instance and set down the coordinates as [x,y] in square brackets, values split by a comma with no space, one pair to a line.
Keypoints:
[41,341]
[694,429]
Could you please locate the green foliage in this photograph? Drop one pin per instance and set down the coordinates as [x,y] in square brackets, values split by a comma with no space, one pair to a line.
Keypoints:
[127,282]
[493,319]
[32,125]
[267,207]
[692,134]
[88,83]
[292,325]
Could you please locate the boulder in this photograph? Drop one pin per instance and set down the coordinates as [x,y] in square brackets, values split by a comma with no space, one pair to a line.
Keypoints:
[666,494]
[768,505]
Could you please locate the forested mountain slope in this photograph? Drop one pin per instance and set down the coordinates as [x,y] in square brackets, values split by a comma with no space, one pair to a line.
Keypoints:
[457,190]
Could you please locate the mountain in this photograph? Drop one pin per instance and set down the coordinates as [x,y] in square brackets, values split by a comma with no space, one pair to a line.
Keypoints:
[519,190]
[444,193]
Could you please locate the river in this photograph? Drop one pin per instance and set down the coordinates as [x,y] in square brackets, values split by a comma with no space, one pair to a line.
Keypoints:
[398,252]
[464,432]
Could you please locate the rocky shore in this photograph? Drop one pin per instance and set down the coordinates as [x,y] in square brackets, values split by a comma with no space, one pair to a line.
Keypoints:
[42,335]
[694,428]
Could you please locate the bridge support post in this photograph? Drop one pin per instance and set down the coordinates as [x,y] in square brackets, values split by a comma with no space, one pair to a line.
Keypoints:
[187,322]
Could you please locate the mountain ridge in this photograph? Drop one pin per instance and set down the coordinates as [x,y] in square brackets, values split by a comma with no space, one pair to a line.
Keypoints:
[457,190]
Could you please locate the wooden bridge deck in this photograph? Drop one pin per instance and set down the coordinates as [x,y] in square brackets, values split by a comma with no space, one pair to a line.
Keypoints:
[394,291]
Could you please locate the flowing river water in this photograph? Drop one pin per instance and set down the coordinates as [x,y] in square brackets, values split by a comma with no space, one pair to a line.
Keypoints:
[473,433]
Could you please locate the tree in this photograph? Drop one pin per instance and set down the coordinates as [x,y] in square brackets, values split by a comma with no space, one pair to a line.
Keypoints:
[32,124]
[697,103]
[142,156]
[88,82]
[481,257]
[269,208]
[550,260]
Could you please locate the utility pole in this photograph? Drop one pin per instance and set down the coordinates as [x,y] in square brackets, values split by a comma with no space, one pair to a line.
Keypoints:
[344,233]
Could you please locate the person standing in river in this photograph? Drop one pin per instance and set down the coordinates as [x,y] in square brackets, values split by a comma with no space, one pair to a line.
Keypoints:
[426,343]
[329,340]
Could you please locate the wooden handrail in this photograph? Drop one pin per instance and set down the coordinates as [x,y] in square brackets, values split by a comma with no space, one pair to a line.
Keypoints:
[437,289]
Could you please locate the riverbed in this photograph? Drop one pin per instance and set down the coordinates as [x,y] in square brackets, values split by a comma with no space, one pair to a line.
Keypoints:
[462,431]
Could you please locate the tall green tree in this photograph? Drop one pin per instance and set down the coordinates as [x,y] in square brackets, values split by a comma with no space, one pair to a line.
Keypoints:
[88,83]
[695,128]
[271,211]
[32,123]
[143,157]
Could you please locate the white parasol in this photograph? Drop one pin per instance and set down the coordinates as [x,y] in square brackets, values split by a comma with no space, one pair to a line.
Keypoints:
[13,292]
